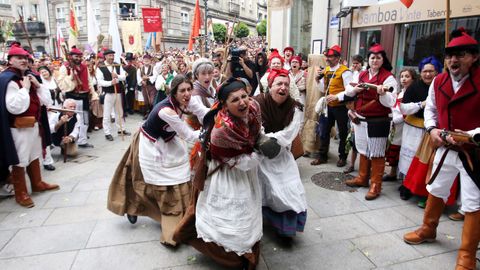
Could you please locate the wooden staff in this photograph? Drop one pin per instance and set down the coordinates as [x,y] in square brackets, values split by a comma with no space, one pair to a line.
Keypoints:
[227,45]
[25,30]
[65,131]
[62,110]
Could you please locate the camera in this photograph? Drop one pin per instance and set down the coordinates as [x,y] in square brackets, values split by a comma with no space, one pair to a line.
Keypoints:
[235,54]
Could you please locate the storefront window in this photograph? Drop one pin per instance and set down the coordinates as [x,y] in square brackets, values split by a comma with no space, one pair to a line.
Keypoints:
[301,24]
[367,38]
[428,38]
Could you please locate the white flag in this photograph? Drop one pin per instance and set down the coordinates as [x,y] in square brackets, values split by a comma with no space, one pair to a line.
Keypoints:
[115,34]
[92,28]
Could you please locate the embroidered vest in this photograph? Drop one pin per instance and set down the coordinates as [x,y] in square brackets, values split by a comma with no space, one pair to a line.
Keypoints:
[155,127]
[334,83]
[376,109]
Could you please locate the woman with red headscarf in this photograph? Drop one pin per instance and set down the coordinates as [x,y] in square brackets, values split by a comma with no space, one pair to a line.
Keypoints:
[276,62]
[284,202]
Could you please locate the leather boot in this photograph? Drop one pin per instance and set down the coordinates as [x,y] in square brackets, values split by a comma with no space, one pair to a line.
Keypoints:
[466,258]
[378,166]
[363,172]
[21,194]
[33,171]
[428,231]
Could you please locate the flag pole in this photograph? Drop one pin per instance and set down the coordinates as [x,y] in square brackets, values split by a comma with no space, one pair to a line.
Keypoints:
[447,23]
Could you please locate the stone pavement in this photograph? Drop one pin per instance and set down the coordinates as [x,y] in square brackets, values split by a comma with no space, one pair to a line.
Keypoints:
[72,229]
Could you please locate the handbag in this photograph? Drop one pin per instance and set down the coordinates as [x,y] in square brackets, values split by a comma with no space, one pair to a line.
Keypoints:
[322,127]
[297,147]
[102,98]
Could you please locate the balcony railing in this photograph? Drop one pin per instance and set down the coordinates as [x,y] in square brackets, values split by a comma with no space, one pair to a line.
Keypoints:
[234,7]
[33,28]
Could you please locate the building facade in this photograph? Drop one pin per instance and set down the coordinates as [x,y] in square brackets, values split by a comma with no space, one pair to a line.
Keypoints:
[43,16]
[407,34]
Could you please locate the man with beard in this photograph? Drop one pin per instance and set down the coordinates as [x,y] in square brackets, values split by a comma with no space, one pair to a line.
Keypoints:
[287,55]
[453,104]
[21,130]
[146,80]
[74,82]
[332,81]
[110,77]
[298,76]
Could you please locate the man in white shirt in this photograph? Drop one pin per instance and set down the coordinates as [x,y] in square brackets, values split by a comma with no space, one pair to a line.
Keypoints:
[111,77]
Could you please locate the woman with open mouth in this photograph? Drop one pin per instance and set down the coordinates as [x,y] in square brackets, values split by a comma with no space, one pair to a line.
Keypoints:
[153,178]
[203,92]
[225,220]
[284,202]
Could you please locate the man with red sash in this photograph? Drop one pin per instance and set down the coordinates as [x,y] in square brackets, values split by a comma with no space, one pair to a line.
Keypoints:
[453,104]
[21,130]
[74,82]
[372,118]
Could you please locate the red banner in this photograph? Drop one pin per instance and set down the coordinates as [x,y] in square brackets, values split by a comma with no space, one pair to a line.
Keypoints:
[152,20]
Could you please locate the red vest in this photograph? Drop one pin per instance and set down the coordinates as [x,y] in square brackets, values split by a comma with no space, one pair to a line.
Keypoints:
[376,109]
[459,110]
[34,108]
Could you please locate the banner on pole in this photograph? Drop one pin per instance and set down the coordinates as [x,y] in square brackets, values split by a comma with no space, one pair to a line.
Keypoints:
[152,20]
[132,36]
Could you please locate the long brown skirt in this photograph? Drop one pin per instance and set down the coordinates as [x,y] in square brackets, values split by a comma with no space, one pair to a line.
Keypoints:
[129,194]
[187,234]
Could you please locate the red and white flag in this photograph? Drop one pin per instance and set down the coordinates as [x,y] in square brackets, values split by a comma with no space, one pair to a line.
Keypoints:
[73,33]
[152,20]
[60,41]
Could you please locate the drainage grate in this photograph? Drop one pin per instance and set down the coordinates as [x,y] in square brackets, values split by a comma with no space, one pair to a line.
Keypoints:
[82,159]
[333,181]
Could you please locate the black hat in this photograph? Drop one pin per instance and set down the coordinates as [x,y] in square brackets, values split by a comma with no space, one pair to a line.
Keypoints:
[129,56]
[108,51]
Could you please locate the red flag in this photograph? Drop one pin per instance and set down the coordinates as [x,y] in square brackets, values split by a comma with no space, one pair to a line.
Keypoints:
[407,3]
[152,20]
[196,24]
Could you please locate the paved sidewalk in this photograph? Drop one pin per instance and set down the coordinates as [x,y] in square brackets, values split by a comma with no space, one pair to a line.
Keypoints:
[72,229]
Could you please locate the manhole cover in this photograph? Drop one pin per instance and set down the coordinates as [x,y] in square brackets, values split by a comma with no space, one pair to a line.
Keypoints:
[82,159]
[333,181]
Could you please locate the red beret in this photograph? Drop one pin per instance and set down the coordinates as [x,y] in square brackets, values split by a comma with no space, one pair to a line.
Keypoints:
[16,50]
[100,55]
[461,38]
[289,49]
[335,50]
[75,51]
[376,48]
[298,58]
[276,73]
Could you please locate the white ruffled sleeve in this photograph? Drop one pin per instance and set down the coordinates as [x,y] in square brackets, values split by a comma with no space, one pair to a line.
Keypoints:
[178,125]
[17,99]
[287,135]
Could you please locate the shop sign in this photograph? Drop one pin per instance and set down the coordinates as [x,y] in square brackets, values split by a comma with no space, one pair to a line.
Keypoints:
[425,10]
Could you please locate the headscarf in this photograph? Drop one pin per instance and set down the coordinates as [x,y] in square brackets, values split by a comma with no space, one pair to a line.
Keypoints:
[275,117]
[275,73]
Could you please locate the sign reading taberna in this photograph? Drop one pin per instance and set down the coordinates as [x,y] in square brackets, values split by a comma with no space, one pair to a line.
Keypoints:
[424,10]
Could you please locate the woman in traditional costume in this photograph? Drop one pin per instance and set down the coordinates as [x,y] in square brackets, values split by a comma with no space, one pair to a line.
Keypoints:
[203,93]
[225,220]
[416,148]
[407,77]
[373,112]
[284,202]
[153,178]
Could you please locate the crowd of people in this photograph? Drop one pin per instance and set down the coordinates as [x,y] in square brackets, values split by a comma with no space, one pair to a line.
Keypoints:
[208,162]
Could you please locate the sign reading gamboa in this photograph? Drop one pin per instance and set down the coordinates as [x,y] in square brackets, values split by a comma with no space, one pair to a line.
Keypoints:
[421,10]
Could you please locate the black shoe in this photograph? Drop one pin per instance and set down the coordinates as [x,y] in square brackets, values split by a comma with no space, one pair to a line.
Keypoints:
[405,193]
[49,167]
[341,162]
[130,111]
[389,178]
[109,137]
[112,120]
[85,145]
[126,133]
[132,219]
